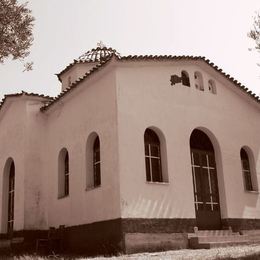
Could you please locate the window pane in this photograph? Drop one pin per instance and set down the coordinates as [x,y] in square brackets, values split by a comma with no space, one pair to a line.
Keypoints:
[208,207]
[197,181]
[196,158]
[248,182]
[155,150]
[211,160]
[97,176]
[66,161]
[200,206]
[214,184]
[66,184]
[204,160]
[215,207]
[146,147]
[147,165]
[156,170]
[206,188]
[245,164]
[96,156]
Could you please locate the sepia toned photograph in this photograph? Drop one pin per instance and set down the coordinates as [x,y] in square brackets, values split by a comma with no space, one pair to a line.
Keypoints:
[129,129]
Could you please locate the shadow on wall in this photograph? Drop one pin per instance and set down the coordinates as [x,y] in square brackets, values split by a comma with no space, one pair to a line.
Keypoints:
[164,206]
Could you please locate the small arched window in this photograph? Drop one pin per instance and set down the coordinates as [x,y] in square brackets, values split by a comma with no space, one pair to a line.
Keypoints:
[96,163]
[198,81]
[185,78]
[246,170]
[63,178]
[152,156]
[212,86]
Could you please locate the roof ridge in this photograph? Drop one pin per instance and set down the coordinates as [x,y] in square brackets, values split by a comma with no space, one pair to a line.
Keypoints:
[153,58]
[21,94]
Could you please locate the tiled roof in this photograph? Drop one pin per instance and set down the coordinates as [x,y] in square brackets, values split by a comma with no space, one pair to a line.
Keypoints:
[74,85]
[23,93]
[151,58]
[101,53]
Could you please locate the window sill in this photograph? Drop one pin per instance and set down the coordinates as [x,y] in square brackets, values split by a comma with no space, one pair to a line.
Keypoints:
[157,183]
[92,188]
[63,197]
[252,191]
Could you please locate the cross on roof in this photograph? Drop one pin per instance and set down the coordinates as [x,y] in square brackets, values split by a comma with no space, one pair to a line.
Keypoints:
[101,45]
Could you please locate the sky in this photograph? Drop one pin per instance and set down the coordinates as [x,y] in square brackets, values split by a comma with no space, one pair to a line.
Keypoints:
[65,29]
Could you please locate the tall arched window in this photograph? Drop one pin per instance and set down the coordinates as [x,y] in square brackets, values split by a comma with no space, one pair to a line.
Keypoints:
[63,178]
[152,156]
[8,194]
[246,170]
[185,78]
[198,81]
[11,200]
[66,173]
[96,163]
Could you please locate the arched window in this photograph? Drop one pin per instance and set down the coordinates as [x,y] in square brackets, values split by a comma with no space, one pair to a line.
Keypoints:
[11,199]
[212,86]
[63,178]
[8,194]
[93,162]
[96,163]
[66,173]
[198,81]
[152,156]
[246,170]
[185,78]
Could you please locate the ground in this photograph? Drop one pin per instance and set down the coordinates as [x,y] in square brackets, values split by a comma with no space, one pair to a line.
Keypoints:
[239,252]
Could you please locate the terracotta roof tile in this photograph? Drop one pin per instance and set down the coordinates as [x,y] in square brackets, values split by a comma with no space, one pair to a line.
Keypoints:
[147,58]
[98,54]
[23,93]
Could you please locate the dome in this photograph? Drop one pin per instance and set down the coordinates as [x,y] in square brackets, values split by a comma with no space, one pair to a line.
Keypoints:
[100,53]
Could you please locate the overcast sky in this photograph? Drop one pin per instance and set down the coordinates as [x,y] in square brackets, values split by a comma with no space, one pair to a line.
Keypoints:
[65,29]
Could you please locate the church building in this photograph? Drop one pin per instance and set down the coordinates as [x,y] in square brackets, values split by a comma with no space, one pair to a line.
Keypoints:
[136,153]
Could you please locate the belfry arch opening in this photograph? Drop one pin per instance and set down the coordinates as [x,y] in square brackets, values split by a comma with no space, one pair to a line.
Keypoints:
[205,181]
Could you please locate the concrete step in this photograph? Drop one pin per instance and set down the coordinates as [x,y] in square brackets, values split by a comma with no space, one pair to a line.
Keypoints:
[221,238]
[253,235]
[216,238]
[220,244]
[214,232]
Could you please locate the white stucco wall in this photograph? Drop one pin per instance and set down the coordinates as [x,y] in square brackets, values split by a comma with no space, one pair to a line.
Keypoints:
[14,144]
[77,71]
[231,119]
[118,103]
[35,198]
[91,107]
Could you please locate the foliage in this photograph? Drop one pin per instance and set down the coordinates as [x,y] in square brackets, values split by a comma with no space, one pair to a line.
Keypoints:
[16,24]
[255,32]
